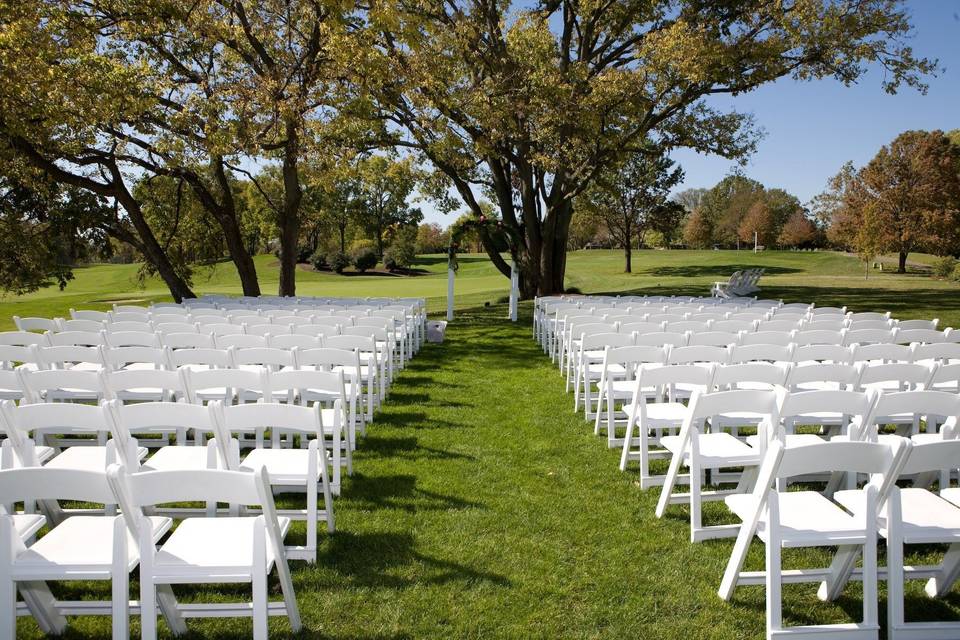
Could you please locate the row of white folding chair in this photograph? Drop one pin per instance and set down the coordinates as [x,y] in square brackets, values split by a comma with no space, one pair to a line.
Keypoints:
[255,375]
[239,548]
[667,386]
[596,363]
[298,470]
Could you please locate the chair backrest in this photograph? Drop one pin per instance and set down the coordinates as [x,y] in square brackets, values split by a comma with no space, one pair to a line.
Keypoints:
[909,325]
[693,326]
[167,328]
[779,325]
[195,358]
[50,416]
[92,326]
[823,353]
[365,345]
[877,325]
[61,357]
[223,329]
[36,324]
[120,357]
[159,417]
[23,339]
[904,375]
[328,357]
[670,375]
[731,376]
[870,336]
[828,311]
[938,351]
[132,338]
[782,338]
[116,326]
[882,353]
[855,405]
[168,382]
[819,336]
[713,338]
[77,338]
[38,384]
[576,330]
[233,382]
[265,356]
[289,385]
[240,341]
[294,340]
[868,316]
[247,318]
[642,327]
[43,483]
[840,376]
[906,404]
[662,338]
[931,456]
[130,316]
[317,330]
[925,336]
[593,341]
[699,353]
[742,353]
[191,340]
[248,418]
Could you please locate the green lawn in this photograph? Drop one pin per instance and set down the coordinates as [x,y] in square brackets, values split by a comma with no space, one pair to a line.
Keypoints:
[482,507]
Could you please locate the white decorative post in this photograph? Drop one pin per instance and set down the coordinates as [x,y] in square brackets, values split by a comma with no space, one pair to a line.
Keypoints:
[450,274]
[514,290]
[754,241]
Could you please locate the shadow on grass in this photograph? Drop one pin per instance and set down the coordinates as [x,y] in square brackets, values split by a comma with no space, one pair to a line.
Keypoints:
[720,270]
[399,492]
[376,559]
[407,447]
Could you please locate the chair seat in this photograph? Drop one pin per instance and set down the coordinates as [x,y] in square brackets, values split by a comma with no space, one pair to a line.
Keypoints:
[927,517]
[672,412]
[80,545]
[212,549]
[792,440]
[807,519]
[717,449]
[88,458]
[285,466]
[177,458]
[27,524]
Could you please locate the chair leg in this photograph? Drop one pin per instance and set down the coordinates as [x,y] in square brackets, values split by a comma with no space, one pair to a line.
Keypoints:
[259,581]
[840,569]
[895,577]
[148,608]
[120,583]
[625,450]
[672,473]
[773,568]
[940,585]
[737,557]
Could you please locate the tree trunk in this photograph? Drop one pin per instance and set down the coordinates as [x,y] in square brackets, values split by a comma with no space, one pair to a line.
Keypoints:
[343,238]
[290,213]
[902,262]
[226,215]
[627,247]
[152,250]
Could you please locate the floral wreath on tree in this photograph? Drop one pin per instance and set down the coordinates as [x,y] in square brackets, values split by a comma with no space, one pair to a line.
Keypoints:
[491,226]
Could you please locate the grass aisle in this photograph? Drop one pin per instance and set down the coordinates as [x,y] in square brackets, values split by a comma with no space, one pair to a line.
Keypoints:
[482,507]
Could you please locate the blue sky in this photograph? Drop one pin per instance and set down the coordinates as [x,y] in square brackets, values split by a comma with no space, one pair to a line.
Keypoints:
[812,128]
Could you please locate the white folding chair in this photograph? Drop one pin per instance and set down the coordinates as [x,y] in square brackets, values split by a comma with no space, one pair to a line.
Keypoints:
[660,418]
[82,547]
[144,385]
[802,519]
[290,470]
[165,419]
[616,386]
[700,450]
[233,549]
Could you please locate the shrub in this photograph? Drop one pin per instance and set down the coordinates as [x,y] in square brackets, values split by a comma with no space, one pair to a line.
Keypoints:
[365,259]
[944,267]
[956,273]
[304,253]
[399,255]
[319,260]
[339,261]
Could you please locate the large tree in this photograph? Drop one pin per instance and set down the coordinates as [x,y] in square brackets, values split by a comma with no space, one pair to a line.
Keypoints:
[385,186]
[633,197]
[907,198]
[530,103]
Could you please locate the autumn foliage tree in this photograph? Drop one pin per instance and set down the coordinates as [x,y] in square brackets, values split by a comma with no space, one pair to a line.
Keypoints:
[758,223]
[907,198]
[797,231]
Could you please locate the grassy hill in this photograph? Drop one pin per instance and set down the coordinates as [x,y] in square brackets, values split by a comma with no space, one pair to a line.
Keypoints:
[824,277]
